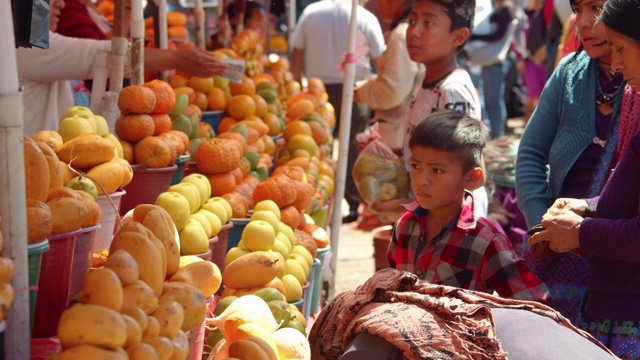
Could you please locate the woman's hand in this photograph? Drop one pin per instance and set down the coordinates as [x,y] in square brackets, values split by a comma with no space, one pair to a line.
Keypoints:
[561,231]
[198,62]
[565,205]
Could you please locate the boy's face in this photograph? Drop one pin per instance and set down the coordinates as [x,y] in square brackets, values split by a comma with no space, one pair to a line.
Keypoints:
[429,35]
[438,179]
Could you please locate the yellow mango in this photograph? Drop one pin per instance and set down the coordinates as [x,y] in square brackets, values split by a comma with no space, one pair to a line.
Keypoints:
[102,287]
[86,324]
[203,275]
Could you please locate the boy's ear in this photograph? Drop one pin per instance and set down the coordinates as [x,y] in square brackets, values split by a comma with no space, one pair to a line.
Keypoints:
[461,36]
[475,179]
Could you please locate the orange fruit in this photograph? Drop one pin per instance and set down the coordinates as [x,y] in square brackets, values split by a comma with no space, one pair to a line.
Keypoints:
[165,96]
[261,105]
[173,147]
[178,80]
[153,152]
[192,108]
[245,167]
[162,123]
[217,156]
[238,205]
[237,140]
[304,142]
[182,136]
[175,141]
[216,100]
[274,124]
[290,216]
[269,145]
[204,85]
[238,174]
[297,127]
[200,100]
[127,151]
[241,106]
[247,87]
[135,127]
[226,124]
[191,94]
[136,99]
[221,183]
[254,135]
[49,137]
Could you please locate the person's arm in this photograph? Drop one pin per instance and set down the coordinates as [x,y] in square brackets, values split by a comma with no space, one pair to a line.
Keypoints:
[395,77]
[297,57]
[192,61]
[67,58]
[533,151]
[509,275]
[373,34]
[502,18]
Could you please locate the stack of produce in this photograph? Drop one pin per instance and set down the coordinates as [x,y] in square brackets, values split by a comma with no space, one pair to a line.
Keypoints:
[256,327]
[247,45]
[145,127]
[176,29]
[196,215]
[143,302]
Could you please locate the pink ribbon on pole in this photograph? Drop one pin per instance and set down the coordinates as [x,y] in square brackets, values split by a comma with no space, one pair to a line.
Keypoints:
[349,58]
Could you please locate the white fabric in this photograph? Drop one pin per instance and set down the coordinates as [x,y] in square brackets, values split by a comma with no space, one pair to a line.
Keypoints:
[323,33]
[454,92]
[44,73]
[388,91]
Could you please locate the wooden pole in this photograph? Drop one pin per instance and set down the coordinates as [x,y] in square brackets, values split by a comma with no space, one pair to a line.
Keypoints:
[344,138]
[199,14]
[119,46]
[99,86]
[137,43]
[12,191]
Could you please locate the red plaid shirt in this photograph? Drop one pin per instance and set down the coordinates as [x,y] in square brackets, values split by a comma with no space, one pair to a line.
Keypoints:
[468,253]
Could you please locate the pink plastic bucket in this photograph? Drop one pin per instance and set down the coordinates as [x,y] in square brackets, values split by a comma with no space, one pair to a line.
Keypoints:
[82,257]
[145,186]
[53,286]
[108,220]
[196,337]
[205,255]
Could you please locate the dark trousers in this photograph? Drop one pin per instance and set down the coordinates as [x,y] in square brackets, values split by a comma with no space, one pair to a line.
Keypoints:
[360,116]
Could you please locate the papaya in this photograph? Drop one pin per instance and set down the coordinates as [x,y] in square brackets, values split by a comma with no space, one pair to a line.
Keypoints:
[203,275]
[67,214]
[87,324]
[55,173]
[140,211]
[191,299]
[251,270]
[94,212]
[67,174]
[146,254]
[87,150]
[156,221]
[82,352]
[36,170]
[6,270]
[107,176]
[124,266]
[62,191]
[134,332]
[142,351]
[163,346]
[170,316]
[102,287]
[139,295]
[152,330]
[180,346]
[39,221]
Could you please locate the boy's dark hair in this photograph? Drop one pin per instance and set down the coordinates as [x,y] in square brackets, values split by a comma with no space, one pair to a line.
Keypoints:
[461,12]
[453,132]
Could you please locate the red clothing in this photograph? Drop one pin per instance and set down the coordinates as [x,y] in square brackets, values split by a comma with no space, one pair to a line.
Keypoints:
[469,253]
[75,21]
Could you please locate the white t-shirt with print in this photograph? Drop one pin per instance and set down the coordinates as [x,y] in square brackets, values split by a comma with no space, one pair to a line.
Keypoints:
[454,92]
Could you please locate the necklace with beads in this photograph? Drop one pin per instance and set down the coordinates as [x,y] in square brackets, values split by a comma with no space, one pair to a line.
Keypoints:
[603,97]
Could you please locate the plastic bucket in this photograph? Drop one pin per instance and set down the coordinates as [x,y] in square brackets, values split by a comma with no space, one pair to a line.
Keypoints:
[310,293]
[196,337]
[53,286]
[35,252]
[145,186]
[381,240]
[178,173]
[82,257]
[205,255]
[191,169]
[235,233]
[299,304]
[212,118]
[108,220]
[218,252]
[317,282]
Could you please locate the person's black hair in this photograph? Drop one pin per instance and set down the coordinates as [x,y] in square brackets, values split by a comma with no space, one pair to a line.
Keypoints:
[622,16]
[461,12]
[453,132]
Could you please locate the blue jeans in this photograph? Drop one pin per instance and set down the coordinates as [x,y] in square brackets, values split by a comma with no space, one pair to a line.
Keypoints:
[493,88]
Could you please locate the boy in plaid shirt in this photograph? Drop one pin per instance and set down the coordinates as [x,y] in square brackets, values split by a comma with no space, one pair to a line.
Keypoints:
[439,238]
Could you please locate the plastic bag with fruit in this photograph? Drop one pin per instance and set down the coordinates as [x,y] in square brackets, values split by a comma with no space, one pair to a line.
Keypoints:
[379,173]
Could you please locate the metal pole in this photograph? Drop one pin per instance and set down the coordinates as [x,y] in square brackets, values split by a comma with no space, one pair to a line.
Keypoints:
[344,138]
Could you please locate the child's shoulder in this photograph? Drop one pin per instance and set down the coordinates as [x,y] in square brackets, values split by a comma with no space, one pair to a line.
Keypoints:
[457,79]
[488,231]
